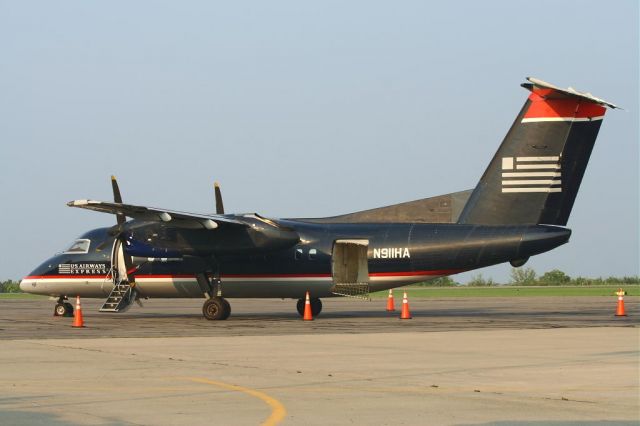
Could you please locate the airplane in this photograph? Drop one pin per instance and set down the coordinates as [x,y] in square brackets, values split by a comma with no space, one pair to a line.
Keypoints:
[518,209]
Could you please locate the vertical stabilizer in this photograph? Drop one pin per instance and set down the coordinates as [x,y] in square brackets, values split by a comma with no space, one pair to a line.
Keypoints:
[535,175]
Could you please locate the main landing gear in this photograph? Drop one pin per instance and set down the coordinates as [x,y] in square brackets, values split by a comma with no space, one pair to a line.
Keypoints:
[63,308]
[216,308]
[316,306]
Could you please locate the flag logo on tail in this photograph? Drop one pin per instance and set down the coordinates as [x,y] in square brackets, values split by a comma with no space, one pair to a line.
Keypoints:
[531,174]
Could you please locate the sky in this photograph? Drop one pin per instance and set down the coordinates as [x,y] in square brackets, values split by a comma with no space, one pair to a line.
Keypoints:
[300,109]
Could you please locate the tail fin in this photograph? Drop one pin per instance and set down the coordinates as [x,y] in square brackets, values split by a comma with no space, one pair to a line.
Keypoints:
[535,174]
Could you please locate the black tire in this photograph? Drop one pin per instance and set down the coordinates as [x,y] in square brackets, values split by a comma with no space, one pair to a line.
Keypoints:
[69,309]
[59,310]
[316,306]
[227,311]
[216,309]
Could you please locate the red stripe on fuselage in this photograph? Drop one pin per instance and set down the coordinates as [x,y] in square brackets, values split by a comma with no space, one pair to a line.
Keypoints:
[416,273]
[372,274]
[73,277]
[541,107]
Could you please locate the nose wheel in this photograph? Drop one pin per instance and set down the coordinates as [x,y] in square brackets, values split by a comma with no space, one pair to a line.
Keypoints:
[63,308]
[316,306]
[216,308]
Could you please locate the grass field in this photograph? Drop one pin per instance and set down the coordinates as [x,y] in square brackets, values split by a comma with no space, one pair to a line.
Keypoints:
[632,290]
[509,291]
[4,296]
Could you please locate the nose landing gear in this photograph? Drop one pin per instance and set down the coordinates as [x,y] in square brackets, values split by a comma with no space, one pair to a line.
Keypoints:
[63,308]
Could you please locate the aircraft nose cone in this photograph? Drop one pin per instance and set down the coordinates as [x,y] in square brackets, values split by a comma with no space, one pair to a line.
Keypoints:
[25,285]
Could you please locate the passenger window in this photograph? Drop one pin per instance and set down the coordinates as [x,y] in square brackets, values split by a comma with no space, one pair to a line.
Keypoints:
[79,247]
[312,254]
[299,253]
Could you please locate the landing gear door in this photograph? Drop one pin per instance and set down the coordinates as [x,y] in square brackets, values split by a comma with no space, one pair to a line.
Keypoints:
[350,268]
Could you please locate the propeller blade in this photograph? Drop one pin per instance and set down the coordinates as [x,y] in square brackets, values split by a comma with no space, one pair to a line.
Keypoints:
[219,205]
[118,230]
[117,198]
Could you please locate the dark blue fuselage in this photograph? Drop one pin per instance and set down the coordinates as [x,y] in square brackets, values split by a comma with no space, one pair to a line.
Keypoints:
[396,254]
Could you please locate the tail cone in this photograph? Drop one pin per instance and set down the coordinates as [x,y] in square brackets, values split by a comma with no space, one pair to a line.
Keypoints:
[390,303]
[307,309]
[77,318]
[405,308]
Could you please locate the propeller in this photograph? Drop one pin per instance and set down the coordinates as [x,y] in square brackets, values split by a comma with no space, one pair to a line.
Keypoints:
[121,219]
[117,198]
[219,205]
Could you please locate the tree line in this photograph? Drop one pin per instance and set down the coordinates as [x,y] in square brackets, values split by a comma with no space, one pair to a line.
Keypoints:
[10,286]
[519,277]
[528,277]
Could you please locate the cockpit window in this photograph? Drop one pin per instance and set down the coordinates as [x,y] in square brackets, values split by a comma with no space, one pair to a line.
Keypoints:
[79,246]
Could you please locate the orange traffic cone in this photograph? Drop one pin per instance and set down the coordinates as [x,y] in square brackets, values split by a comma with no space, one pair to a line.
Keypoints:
[307,309]
[405,308]
[77,315]
[620,308]
[390,303]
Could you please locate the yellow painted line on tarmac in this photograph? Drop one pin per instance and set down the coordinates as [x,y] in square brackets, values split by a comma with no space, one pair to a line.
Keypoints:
[278,412]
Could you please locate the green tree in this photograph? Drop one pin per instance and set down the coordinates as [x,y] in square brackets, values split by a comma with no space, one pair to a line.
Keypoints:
[480,281]
[10,286]
[523,276]
[555,277]
[440,282]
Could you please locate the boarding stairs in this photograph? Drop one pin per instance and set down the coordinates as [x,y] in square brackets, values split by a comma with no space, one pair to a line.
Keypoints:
[123,293]
[120,298]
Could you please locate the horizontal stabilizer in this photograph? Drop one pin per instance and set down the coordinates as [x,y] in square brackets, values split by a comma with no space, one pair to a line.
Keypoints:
[557,92]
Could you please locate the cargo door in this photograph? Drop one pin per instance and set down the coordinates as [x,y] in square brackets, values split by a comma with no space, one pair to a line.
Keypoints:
[350,268]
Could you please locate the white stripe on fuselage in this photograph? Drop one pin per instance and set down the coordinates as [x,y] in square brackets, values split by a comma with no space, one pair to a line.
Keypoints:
[164,286]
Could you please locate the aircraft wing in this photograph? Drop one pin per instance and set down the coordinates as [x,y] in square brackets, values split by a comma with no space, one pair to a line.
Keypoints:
[174,218]
[197,234]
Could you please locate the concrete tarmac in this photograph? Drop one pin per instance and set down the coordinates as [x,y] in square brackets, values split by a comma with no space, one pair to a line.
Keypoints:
[489,361]
[29,318]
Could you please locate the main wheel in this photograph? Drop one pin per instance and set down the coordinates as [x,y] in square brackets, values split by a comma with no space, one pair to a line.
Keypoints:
[216,308]
[68,309]
[316,306]
[60,310]
[227,309]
